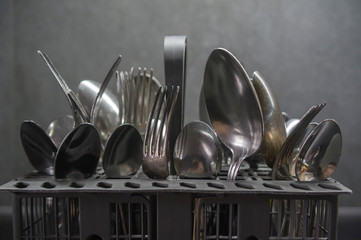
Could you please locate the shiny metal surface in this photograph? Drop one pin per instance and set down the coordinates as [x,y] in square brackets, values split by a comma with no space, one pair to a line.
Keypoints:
[281,168]
[320,152]
[104,127]
[291,124]
[79,113]
[59,128]
[143,88]
[155,147]
[274,133]
[79,153]
[38,146]
[96,104]
[108,111]
[175,65]
[233,106]
[123,152]
[203,113]
[197,152]
[297,148]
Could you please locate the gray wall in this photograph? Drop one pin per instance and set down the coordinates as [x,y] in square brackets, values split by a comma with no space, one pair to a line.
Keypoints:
[308,51]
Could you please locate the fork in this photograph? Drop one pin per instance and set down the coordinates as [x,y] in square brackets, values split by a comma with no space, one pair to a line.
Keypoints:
[281,167]
[135,97]
[155,146]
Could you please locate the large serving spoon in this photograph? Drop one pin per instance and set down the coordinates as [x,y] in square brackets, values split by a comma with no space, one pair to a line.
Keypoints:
[320,152]
[197,152]
[274,133]
[38,146]
[232,106]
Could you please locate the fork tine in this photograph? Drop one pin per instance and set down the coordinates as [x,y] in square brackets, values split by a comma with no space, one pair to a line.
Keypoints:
[131,96]
[150,126]
[171,100]
[142,99]
[158,128]
[136,100]
[149,93]
[120,102]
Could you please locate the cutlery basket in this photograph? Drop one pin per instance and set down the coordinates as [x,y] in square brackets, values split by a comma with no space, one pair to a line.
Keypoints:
[251,207]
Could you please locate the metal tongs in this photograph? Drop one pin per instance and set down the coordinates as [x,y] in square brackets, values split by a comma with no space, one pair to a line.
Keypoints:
[175,50]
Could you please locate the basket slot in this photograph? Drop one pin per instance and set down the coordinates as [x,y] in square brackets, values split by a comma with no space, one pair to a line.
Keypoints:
[299,219]
[130,220]
[49,218]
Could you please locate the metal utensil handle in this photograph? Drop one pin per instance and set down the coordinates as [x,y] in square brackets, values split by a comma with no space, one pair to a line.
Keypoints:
[74,102]
[175,49]
[96,104]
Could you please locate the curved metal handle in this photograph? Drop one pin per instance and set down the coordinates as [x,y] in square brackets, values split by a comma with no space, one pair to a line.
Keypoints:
[95,107]
[73,100]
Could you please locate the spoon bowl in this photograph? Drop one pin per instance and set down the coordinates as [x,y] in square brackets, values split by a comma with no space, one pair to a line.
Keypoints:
[123,152]
[198,152]
[79,153]
[38,146]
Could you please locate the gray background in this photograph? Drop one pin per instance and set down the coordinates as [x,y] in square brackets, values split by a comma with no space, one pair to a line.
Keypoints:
[308,51]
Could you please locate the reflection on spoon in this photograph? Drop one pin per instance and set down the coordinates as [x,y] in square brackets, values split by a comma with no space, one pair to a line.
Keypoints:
[59,128]
[123,152]
[38,146]
[320,152]
[198,152]
[79,153]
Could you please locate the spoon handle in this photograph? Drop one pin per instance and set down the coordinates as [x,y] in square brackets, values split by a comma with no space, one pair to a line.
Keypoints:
[73,100]
[96,104]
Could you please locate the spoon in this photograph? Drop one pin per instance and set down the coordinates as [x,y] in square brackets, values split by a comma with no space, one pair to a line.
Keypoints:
[320,152]
[233,107]
[198,152]
[274,128]
[123,152]
[38,146]
[79,153]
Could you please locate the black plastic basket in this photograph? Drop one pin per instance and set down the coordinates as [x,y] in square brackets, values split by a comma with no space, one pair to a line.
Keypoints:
[251,207]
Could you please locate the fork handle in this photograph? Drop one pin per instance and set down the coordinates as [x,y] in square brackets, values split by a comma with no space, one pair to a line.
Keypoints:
[175,50]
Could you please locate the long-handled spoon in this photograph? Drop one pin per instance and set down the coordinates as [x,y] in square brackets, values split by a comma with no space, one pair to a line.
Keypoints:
[233,107]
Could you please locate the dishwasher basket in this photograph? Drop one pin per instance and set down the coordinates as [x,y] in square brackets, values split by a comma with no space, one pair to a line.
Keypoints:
[251,207]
